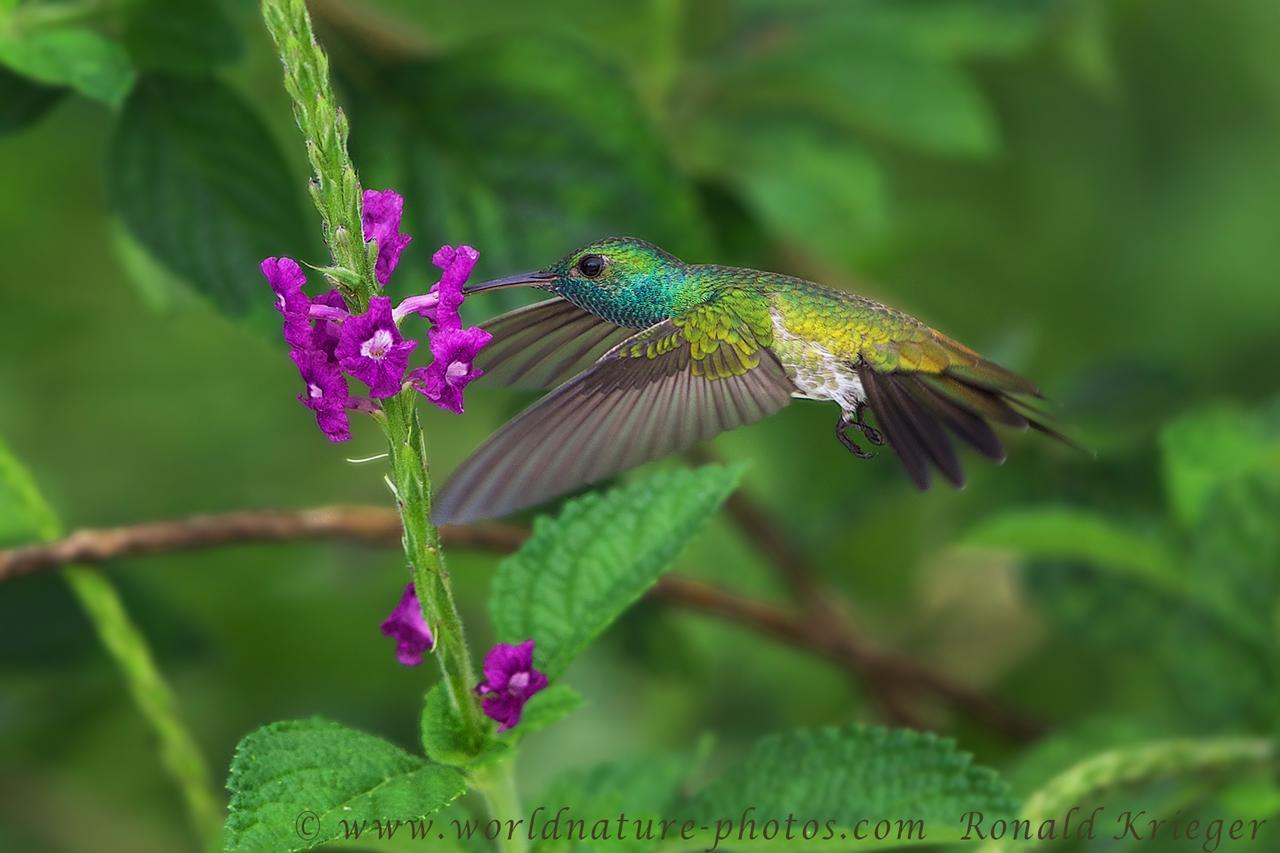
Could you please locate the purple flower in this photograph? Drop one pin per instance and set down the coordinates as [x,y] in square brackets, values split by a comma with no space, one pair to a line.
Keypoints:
[382,209]
[324,392]
[326,331]
[371,349]
[409,629]
[509,682]
[452,366]
[456,265]
[286,279]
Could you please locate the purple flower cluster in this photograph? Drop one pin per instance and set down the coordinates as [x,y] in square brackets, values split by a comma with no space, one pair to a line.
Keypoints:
[328,345]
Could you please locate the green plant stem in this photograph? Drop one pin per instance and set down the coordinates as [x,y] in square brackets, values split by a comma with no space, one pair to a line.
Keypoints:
[497,784]
[126,645]
[155,700]
[412,483]
[334,186]
[336,190]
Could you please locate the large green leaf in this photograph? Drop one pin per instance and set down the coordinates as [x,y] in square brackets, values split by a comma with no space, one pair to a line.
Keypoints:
[70,56]
[294,783]
[853,774]
[1204,450]
[526,147]
[197,179]
[195,40]
[582,569]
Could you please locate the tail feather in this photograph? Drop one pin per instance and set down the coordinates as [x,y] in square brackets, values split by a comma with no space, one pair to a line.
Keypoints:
[918,411]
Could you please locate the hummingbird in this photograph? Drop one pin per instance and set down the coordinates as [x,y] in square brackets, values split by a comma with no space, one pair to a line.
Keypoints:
[646,355]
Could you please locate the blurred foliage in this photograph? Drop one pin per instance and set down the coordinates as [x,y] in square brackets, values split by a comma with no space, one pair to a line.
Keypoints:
[1085,189]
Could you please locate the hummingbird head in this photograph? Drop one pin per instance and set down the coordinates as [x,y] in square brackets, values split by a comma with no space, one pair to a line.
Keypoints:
[625,280]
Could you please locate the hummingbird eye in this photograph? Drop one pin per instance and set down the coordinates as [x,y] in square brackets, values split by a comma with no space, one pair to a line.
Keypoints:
[591,265]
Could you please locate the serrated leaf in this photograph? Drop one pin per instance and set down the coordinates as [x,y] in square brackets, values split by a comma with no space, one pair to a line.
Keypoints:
[195,41]
[853,773]
[325,770]
[444,738]
[643,788]
[197,179]
[23,102]
[579,571]
[546,708]
[70,56]
[1205,450]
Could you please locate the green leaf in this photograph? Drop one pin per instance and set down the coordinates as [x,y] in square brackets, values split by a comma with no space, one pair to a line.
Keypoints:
[1207,449]
[328,773]
[546,708]
[445,740]
[69,56]
[579,571]
[645,787]
[864,87]
[807,184]
[1186,758]
[197,179]
[23,102]
[1062,532]
[498,142]
[853,773]
[195,41]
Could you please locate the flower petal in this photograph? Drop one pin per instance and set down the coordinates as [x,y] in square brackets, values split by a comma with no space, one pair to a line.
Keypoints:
[408,628]
[382,211]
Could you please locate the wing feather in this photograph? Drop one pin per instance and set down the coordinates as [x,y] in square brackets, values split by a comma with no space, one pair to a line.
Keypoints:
[638,402]
[543,344]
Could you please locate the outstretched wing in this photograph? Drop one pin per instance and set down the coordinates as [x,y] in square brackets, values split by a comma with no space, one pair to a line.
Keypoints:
[926,388]
[544,344]
[661,390]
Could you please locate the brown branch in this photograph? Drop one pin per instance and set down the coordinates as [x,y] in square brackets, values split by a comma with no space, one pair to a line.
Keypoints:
[826,625]
[887,674]
[371,525]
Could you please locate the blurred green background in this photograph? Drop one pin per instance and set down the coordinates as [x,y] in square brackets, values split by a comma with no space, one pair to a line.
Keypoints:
[1087,191]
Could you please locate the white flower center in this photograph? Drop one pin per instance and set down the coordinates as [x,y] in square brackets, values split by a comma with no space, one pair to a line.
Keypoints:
[280,302]
[518,682]
[376,347]
[315,391]
[456,370]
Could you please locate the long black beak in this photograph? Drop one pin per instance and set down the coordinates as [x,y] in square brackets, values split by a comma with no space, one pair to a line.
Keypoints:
[523,279]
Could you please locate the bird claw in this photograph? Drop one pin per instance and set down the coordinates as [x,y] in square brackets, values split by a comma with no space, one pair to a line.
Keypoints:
[842,425]
[869,432]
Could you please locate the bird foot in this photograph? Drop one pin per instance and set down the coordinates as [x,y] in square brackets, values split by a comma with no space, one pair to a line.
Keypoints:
[842,426]
[869,432]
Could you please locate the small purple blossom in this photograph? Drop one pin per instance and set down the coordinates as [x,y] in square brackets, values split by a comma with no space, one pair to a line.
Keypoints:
[324,392]
[328,311]
[410,631]
[382,210]
[452,366]
[456,266]
[509,682]
[372,350]
[287,279]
